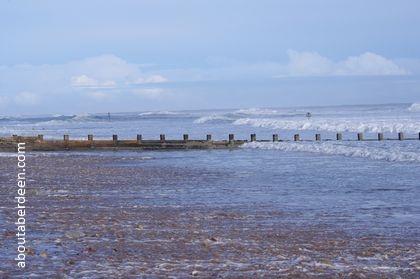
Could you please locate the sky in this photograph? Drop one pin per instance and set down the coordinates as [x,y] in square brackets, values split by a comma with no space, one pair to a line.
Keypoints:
[64,57]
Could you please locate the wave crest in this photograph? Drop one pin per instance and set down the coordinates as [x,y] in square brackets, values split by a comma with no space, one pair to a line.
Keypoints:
[213,119]
[415,107]
[391,154]
[334,125]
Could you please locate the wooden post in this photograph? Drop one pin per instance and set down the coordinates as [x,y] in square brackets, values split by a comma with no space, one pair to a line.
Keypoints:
[41,137]
[339,136]
[162,137]
[231,138]
[66,138]
[297,137]
[317,137]
[253,137]
[139,139]
[359,136]
[90,137]
[400,136]
[275,137]
[115,139]
[208,137]
[380,136]
[185,137]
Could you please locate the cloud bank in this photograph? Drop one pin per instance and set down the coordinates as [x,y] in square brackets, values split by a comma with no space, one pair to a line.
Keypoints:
[108,79]
[366,64]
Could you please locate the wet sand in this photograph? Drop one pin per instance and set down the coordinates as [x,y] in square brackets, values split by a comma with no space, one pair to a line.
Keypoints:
[86,220]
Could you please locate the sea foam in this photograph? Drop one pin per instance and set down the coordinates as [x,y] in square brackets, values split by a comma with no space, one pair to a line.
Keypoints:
[415,107]
[335,125]
[393,154]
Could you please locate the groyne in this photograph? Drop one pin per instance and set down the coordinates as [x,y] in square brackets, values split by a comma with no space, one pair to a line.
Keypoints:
[38,143]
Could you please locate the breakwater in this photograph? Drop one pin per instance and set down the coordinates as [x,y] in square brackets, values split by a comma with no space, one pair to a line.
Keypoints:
[38,143]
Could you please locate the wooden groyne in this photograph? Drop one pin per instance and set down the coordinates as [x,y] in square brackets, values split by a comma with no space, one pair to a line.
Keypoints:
[38,143]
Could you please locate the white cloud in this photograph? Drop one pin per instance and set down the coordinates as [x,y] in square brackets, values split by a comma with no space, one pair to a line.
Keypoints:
[83,81]
[308,64]
[366,64]
[109,71]
[369,64]
[26,98]
[107,77]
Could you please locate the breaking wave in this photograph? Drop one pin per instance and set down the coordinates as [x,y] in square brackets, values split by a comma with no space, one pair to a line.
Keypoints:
[389,154]
[158,113]
[415,107]
[334,125]
[257,111]
[213,119]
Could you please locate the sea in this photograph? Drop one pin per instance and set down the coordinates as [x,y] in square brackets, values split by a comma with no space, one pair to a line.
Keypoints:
[365,190]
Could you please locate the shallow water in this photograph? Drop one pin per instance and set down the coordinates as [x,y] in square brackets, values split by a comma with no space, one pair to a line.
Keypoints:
[228,213]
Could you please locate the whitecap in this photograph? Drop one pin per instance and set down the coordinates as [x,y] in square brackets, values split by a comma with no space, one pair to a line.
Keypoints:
[415,107]
[391,154]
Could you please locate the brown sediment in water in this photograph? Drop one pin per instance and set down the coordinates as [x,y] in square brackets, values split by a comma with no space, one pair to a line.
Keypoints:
[84,220]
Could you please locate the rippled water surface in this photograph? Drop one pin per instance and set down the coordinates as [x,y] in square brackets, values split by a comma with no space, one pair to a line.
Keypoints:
[228,213]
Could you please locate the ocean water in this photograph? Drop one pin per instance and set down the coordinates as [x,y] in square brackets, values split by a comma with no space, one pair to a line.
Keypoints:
[370,119]
[342,206]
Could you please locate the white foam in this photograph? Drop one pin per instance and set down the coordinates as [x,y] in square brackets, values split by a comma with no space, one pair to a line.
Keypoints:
[8,154]
[157,113]
[335,124]
[393,154]
[415,107]
[257,111]
[212,119]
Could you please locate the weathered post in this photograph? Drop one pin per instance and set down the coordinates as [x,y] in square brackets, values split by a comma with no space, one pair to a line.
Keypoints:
[90,140]
[41,137]
[253,137]
[139,138]
[115,139]
[339,136]
[275,137]
[66,138]
[359,136]
[400,136]
[162,137]
[185,137]
[208,137]
[297,137]
[380,136]
[317,137]
[231,138]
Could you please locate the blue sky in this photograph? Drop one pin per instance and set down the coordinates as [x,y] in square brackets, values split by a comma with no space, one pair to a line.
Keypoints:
[99,56]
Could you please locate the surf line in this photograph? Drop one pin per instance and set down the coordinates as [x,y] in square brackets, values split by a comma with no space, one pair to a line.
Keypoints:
[21,210]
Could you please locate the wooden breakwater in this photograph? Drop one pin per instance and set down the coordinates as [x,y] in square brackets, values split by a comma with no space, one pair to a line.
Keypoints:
[38,143]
